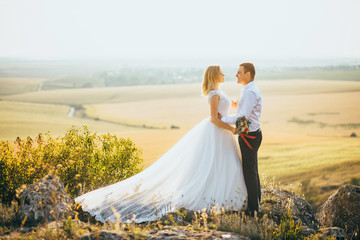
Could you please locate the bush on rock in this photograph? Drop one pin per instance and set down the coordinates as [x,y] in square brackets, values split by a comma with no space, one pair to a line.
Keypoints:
[84,161]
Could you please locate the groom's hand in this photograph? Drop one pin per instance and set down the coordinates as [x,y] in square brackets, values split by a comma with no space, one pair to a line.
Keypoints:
[234,104]
[235,132]
[219,116]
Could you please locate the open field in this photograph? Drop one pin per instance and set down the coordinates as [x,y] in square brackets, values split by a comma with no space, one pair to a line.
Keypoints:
[153,92]
[319,75]
[28,119]
[16,85]
[105,95]
[306,123]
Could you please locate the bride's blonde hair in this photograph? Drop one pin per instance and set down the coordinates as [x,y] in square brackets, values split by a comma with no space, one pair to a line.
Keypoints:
[210,79]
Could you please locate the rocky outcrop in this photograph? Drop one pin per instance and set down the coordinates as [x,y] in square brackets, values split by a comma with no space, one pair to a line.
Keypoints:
[167,232]
[336,232]
[275,203]
[342,209]
[45,200]
[170,232]
[106,235]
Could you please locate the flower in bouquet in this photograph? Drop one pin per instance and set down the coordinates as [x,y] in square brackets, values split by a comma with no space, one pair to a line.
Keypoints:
[242,125]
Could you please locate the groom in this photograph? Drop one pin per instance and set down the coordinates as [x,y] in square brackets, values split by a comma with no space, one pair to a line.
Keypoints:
[249,105]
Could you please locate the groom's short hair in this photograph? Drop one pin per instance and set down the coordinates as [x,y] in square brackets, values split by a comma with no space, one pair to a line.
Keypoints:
[249,67]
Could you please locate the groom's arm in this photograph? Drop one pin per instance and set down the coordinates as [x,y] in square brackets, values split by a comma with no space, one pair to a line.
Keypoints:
[247,108]
[230,119]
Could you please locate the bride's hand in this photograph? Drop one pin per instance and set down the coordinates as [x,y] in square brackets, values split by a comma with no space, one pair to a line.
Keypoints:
[219,116]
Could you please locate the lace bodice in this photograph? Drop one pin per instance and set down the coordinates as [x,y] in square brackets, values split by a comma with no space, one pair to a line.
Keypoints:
[224,102]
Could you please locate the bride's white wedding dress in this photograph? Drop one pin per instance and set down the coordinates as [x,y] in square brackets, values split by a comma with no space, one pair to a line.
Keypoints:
[201,170]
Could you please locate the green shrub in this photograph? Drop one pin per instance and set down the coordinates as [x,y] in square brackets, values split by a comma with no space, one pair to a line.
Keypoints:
[287,228]
[84,161]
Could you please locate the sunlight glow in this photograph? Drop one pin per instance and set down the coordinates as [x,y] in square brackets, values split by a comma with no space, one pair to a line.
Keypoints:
[179,29]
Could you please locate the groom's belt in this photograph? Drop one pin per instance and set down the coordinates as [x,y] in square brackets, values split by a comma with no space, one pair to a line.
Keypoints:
[257,131]
[250,136]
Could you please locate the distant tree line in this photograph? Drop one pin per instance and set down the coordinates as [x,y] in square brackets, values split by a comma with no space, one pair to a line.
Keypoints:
[323,68]
[131,76]
[150,76]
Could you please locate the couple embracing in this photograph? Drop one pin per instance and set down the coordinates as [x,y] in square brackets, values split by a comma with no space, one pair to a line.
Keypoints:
[207,167]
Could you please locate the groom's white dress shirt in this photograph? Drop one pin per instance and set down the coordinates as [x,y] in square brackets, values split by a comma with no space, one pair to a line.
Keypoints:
[249,105]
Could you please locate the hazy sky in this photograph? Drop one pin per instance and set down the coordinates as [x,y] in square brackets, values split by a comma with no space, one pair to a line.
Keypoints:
[179,28]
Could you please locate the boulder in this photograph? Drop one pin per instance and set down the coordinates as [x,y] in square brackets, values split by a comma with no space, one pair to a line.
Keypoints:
[276,202]
[45,200]
[336,232]
[166,232]
[85,216]
[307,232]
[106,235]
[342,209]
[181,232]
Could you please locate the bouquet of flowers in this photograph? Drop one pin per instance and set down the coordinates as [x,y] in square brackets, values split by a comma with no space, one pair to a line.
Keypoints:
[242,125]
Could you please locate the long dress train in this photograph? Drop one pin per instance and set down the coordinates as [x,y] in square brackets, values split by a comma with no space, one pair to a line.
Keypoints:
[201,170]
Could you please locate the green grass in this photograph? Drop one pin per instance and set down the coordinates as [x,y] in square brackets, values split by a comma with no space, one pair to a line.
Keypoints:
[288,160]
[322,124]
[315,170]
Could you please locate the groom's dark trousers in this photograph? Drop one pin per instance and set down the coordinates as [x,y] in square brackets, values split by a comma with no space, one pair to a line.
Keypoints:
[250,169]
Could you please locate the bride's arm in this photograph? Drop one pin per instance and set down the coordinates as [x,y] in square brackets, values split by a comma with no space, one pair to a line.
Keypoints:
[214,103]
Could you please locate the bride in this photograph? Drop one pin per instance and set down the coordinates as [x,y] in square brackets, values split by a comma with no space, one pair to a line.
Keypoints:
[201,170]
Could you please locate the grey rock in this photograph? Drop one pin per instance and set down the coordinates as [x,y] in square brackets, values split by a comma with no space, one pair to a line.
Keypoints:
[338,233]
[307,232]
[276,202]
[45,200]
[179,232]
[85,216]
[342,209]
[27,229]
[106,235]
